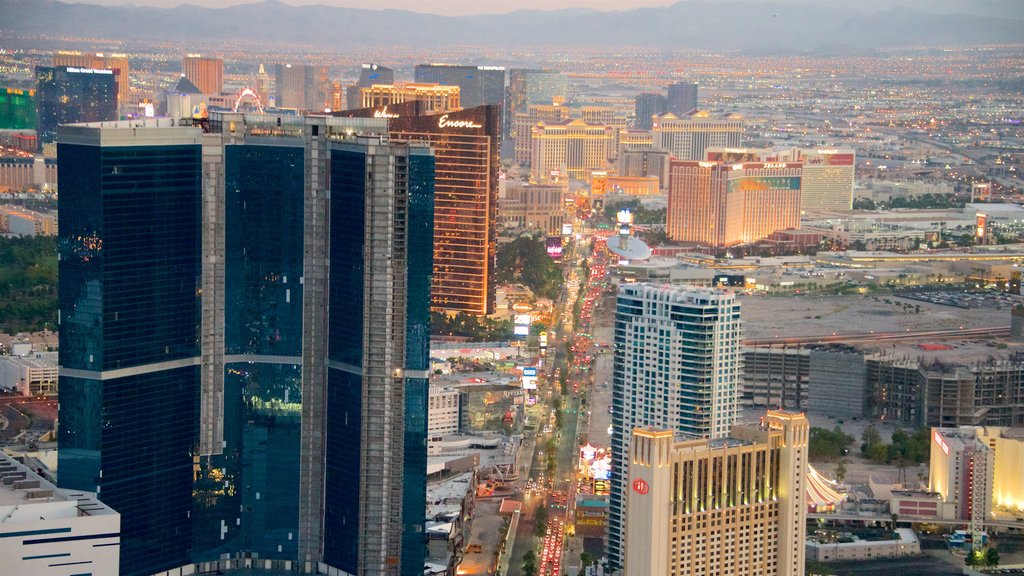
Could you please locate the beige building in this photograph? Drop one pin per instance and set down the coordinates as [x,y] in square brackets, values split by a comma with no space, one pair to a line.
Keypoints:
[572,148]
[533,206]
[438,98]
[644,163]
[731,506]
[525,121]
[978,471]
[724,204]
[689,135]
[827,177]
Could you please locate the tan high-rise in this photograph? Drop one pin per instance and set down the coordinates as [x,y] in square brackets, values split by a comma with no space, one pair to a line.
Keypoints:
[733,506]
[207,73]
[724,204]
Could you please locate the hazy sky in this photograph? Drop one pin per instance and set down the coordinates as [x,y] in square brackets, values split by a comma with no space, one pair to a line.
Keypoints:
[431,6]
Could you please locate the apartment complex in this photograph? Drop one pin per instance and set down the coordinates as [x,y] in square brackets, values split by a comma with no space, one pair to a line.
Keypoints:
[734,505]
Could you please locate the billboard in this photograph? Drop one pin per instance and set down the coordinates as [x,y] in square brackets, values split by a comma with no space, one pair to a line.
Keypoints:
[567,229]
[830,158]
[554,246]
[521,325]
[529,378]
[759,183]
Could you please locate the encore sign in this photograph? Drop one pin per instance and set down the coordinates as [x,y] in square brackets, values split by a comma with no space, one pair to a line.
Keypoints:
[641,487]
[444,122]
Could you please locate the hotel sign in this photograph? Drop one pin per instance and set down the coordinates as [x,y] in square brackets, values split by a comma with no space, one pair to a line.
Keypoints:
[641,487]
[383,113]
[444,122]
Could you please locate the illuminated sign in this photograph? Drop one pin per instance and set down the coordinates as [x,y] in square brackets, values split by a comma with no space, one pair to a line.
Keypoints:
[624,217]
[774,164]
[832,151]
[529,378]
[567,229]
[444,122]
[706,164]
[89,70]
[942,443]
[383,113]
[553,245]
[641,487]
[982,224]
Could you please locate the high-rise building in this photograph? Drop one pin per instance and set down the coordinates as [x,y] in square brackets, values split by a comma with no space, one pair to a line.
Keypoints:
[688,136]
[249,394]
[553,113]
[733,505]
[302,87]
[128,294]
[478,85]
[572,148]
[17,109]
[645,163]
[527,87]
[101,61]
[369,74]
[723,204]
[827,177]
[466,198]
[206,72]
[676,367]
[647,105]
[682,98]
[67,94]
[435,97]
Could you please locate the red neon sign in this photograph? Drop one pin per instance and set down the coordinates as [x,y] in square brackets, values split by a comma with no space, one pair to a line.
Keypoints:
[641,486]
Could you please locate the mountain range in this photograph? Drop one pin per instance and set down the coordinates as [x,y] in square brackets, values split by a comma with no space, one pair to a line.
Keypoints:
[772,26]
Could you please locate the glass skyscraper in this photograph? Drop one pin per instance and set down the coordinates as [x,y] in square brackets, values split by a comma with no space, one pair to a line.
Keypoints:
[17,109]
[66,94]
[478,85]
[293,402]
[129,293]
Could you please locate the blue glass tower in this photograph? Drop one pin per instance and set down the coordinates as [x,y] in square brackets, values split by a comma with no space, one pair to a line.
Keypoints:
[245,339]
[129,248]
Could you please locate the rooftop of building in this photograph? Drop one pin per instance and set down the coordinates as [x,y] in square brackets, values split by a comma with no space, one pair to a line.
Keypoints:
[25,496]
[33,360]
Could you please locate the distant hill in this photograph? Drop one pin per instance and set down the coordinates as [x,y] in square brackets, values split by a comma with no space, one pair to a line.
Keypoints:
[770,26]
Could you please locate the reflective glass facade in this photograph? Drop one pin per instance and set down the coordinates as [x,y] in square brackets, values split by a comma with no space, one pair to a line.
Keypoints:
[345,359]
[66,95]
[248,496]
[420,231]
[129,312]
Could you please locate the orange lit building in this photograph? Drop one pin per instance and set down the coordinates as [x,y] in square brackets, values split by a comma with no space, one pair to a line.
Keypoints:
[206,72]
[571,148]
[466,147]
[101,61]
[437,98]
[723,204]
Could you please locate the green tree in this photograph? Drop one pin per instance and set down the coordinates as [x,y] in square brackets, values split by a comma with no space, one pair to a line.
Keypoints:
[841,471]
[586,559]
[991,557]
[541,517]
[526,260]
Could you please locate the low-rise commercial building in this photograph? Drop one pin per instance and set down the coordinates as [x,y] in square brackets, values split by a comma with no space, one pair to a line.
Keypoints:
[850,547]
[34,374]
[46,531]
